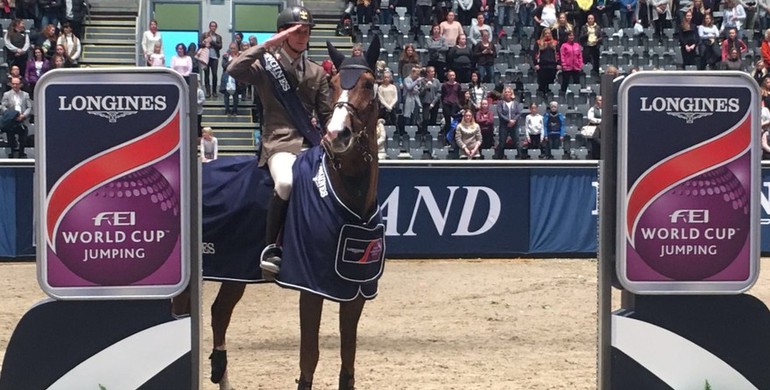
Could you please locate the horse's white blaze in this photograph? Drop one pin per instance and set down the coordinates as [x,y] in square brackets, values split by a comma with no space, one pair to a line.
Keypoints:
[340,117]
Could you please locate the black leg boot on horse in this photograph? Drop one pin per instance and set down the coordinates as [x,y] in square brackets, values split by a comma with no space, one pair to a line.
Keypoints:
[270,260]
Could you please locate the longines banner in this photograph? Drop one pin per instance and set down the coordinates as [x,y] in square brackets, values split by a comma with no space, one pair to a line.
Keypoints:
[689,175]
[112,184]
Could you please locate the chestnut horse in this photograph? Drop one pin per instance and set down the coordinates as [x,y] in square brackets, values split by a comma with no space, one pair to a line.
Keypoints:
[347,161]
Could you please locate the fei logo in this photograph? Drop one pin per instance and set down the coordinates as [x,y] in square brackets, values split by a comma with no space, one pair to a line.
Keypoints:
[115,218]
[690,216]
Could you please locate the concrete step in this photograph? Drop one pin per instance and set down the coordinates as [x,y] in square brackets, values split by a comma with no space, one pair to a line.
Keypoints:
[112,22]
[235,142]
[107,61]
[130,31]
[114,37]
[110,42]
[111,49]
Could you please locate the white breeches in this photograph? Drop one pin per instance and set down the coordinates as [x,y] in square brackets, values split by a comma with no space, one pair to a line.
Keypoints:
[280,165]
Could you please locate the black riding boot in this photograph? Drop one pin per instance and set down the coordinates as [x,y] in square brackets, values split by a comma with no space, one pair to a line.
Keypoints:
[276,215]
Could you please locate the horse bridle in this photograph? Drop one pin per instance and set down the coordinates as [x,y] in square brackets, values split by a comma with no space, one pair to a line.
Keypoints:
[356,115]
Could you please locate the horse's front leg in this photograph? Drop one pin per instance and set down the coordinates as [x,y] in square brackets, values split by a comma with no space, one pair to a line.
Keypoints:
[350,313]
[310,309]
[221,313]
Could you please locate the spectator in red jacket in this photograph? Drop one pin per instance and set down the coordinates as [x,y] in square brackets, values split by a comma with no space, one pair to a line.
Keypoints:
[731,42]
[571,54]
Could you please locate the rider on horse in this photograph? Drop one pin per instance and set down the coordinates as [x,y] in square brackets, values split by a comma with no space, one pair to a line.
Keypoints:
[292,94]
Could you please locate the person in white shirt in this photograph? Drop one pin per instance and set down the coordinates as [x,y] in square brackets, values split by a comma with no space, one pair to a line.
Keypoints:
[733,15]
[150,39]
[387,94]
[451,29]
[595,112]
[534,126]
[157,58]
[71,43]
[181,62]
[209,145]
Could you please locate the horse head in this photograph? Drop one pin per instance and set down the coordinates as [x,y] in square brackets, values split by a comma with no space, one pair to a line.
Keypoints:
[352,128]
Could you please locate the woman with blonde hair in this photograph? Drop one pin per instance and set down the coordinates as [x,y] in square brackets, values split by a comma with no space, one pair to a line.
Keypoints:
[209,145]
[468,136]
[546,60]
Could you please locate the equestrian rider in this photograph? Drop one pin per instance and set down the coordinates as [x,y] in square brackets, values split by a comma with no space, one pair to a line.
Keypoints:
[283,131]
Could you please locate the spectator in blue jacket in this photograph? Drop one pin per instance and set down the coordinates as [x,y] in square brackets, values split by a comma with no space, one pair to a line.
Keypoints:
[553,122]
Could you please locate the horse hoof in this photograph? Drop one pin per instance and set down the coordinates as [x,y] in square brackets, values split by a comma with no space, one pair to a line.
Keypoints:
[218,365]
[225,384]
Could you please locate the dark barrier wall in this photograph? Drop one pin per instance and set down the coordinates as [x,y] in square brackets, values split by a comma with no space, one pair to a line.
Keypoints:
[437,211]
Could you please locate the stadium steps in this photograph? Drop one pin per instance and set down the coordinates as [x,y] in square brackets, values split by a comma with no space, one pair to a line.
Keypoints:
[325,30]
[234,133]
[109,38]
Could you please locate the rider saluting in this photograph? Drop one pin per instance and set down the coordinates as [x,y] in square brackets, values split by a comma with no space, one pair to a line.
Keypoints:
[292,89]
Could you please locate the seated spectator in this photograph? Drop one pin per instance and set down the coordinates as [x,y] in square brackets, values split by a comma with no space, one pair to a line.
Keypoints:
[157,58]
[209,145]
[358,50]
[36,67]
[765,92]
[468,136]
[61,51]
[594,116]
[759,73]
[15,108]
[15,71]
[47,40]
[733,61]
[71,44]
[732,42]
[58,62]
[486,121]
[534,128]
[387,94]
[553,123]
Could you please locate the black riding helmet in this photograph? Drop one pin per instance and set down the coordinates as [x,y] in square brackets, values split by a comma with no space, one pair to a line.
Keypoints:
[294,15]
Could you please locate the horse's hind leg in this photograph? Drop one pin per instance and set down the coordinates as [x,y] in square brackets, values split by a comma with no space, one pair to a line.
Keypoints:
[221,313]
[310,309]
[350,313]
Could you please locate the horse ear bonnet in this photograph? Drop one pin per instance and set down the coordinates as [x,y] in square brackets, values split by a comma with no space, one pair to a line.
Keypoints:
[351,68]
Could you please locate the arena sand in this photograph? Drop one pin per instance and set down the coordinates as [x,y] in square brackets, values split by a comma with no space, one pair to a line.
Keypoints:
[436,324]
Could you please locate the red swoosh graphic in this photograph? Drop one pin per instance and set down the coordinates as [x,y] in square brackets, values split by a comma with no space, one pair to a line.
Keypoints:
[681,166]
[369,248]
[107,166]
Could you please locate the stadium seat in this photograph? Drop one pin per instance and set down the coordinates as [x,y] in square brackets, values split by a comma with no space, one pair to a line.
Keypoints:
[510,154]
[440,153]
[391,139]
[487,154]
[392,153]
[401,11]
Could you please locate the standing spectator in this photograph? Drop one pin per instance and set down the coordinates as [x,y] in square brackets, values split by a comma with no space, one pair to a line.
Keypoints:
[544,16]
[484,53]
[8,9]
[733,61]
[28,9]
[765,48]
[603,11]
[47,40]
[764,138]
[485,9]
[661,16]
[466,9]
[387,94]
[17,44]
[209,145]
[424,12]
[16,73]
[364,11]
[534,128]
[553,122]
[698,12]
[229,87]
[429,97]
[477,91]
[571,55]
[486,121]
[546,60]
[385,9]
[460,59]
[201,100]
[733,15]
[213,41]
[759,73]
[74,13]
[157,58]
[150,38]
[763,14]
[36,67]
[50,11]
[508,112]
[451,30]
[468,136]
[182,63]
[71,44]
[591,38]
[732,42]
[15,108]
[476,29]
[708,49]
[765,92]
[192,49]
[450,99]
[411,87]
[409,59]
[437,52]
[561,29]
[575,16]
[525,12]
[688,40]
[594,116]
[627,12]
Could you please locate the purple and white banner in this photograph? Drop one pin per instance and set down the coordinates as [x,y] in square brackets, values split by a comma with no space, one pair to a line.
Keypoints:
[112,184]
[689,175]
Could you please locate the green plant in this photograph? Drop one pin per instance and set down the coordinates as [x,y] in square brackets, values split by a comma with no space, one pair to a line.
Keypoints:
[708,386]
